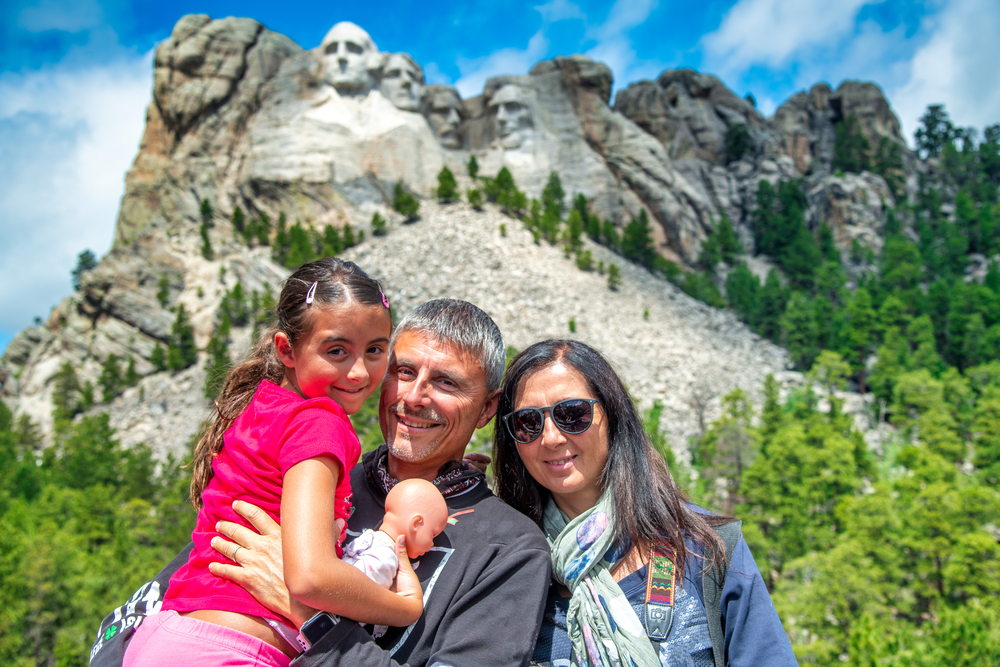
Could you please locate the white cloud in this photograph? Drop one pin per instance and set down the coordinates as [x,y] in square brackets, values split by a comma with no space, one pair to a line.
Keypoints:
[614,46]
[68,134]
[560,10]
[957,67]
[475,72]
[773,32]
[434,75]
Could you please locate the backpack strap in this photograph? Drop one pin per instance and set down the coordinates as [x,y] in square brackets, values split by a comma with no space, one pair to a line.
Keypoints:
[712,584]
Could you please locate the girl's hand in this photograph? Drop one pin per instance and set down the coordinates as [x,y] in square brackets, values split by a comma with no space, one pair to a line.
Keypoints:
[259,567]
[407,584]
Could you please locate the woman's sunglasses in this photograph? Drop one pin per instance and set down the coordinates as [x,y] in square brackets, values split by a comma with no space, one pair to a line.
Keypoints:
[572,416]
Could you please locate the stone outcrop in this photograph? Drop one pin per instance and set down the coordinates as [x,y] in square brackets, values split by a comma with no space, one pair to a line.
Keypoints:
[805,126]
[853,206]
[689,113]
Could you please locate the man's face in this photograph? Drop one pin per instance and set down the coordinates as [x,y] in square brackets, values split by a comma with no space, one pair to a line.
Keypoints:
[402,83]
[346,50]
[433,398]
[444,118]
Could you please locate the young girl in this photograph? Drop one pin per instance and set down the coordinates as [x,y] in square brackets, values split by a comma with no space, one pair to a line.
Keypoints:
[282,440]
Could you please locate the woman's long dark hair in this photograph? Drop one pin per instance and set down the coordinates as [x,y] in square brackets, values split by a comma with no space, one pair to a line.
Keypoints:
[649,508]
[337,282]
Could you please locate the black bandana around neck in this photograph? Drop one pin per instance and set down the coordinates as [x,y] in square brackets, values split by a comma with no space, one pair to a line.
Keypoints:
[453,477]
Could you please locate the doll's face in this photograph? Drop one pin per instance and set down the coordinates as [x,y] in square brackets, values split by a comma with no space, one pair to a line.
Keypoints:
[421,535]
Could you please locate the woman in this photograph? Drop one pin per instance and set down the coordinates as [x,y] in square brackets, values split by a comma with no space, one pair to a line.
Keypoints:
[570,452]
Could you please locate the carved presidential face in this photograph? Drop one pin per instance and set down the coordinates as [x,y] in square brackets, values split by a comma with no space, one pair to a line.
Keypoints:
[348,55]
[402,82]
[443,109]
[511,116]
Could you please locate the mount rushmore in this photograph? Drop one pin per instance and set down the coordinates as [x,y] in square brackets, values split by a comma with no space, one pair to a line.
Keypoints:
[244,118]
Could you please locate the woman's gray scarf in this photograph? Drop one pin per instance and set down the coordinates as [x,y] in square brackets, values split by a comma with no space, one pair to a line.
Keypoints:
[601,624]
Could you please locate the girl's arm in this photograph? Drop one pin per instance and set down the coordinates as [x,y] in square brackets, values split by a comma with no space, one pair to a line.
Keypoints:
[313,573]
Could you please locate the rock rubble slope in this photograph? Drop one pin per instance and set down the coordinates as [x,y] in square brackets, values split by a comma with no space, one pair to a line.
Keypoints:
[685,354]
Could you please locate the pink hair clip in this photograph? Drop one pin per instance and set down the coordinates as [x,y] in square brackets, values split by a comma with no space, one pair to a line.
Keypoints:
[385,301]
[311,294]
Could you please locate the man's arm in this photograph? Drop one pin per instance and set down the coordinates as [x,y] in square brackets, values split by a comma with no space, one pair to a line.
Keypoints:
[494,623]
[118,627]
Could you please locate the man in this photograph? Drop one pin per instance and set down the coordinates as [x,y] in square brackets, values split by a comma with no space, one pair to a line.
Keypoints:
[485,580]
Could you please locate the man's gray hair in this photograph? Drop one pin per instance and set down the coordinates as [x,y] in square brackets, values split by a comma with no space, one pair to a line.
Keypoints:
[463,325]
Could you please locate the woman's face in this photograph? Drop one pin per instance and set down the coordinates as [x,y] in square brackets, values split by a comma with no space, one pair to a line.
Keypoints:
[569,466]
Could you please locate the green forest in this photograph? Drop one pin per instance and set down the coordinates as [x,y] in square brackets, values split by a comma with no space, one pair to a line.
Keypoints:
[879,552]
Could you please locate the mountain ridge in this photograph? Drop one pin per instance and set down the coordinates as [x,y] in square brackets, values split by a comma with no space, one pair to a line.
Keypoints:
[244,118]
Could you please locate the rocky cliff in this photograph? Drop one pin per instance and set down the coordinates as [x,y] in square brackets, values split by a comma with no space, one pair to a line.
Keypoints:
[244,118]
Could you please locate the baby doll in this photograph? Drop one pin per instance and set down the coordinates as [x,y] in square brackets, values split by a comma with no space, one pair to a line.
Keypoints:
[414,508]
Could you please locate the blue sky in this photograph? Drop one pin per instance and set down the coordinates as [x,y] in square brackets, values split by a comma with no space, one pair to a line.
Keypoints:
[76,76]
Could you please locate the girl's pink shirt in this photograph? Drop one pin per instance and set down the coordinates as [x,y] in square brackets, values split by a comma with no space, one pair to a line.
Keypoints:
[276,431]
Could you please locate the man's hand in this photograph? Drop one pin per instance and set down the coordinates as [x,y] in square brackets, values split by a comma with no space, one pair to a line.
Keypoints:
[259,567]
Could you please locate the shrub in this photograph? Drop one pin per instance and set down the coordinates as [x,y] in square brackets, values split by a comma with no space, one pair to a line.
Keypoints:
[405,203]
[738,142]
[614,277]
[475,196]
[378,225]
[447,189]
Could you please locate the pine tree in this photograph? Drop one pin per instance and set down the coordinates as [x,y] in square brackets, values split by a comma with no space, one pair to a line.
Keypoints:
[110,379]
[378,225]
[65,393]
[573,231]
[935,131]
[405,203]
[182,351]
[772,305]
[859,337]
[332,245]
[447,189]
[475,196]
[637,241]
[850,147]
[348,235]
[614,277]
[238,220]
[743,293]
[158,358]
[609,235]
[263,229]
[206,224]
[132,376]
[553,193]
[800,330]
[218,364]
[473,166]
[738,141]
[85,261]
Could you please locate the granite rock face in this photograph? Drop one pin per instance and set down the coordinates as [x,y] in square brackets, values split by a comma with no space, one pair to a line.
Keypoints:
[854,206]
[689,113]
[244,117]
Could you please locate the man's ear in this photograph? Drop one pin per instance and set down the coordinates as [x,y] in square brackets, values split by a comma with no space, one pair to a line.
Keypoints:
[489,409]
[284,349]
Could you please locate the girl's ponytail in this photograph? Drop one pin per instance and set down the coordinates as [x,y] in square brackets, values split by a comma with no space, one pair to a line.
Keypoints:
[237,392]
[324,283]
